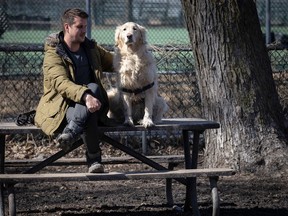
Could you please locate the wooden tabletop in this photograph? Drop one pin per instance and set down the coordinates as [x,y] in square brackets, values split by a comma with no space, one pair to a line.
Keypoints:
[166,124]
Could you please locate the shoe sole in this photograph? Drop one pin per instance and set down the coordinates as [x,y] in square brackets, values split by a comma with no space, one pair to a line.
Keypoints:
[98,169]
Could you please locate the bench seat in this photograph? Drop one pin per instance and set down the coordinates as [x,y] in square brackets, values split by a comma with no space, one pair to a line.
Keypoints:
[169,159]
[159,174]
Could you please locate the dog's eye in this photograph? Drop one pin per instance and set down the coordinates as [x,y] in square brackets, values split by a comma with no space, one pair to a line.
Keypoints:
[134,28]
[124,29]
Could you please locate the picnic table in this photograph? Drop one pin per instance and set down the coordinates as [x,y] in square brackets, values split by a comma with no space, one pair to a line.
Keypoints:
[185,176]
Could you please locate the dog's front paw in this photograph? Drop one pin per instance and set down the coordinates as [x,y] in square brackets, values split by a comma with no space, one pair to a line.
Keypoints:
[129,122]
[147,122]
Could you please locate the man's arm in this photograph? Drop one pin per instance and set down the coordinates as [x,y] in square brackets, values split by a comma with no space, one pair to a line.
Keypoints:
[58,74]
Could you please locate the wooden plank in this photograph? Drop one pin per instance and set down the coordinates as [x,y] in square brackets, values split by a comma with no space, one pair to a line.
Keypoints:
[12,128]
[58,177]
[82,161]
[166,124]
[182,173]
[51,177]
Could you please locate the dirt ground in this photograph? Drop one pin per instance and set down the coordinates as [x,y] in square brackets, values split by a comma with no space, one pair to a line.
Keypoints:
[242,194]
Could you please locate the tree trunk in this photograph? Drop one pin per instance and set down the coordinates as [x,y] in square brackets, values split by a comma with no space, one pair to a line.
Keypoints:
[236,86]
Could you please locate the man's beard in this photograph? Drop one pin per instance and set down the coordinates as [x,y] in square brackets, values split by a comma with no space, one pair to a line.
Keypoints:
[80,39]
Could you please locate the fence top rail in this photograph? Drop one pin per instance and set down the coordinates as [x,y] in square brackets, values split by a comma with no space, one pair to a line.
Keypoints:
[40,47]
[13,47]
[21,48]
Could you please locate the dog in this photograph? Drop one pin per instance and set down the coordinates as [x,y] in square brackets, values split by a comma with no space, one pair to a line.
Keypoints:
[135,99]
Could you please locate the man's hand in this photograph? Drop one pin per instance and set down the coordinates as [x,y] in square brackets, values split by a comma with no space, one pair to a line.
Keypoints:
[92,103]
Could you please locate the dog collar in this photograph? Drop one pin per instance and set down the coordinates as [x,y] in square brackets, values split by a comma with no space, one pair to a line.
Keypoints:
[138,90]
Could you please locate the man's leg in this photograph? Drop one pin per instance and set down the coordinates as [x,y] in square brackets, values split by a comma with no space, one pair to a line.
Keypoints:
[76,117]
[82,122]
[90,136]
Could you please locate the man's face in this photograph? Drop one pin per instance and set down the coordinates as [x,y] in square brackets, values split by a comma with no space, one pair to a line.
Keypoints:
[77,30]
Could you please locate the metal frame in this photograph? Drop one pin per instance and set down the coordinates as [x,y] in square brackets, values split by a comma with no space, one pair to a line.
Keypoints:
[197,126]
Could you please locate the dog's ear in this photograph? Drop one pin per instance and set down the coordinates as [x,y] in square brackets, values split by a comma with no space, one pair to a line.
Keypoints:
[117,36]
[143,33]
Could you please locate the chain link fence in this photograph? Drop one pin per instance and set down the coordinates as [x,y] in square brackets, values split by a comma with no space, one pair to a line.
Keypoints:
[21,88]
[30,21]
[21,80]
[273,16]
[24,24]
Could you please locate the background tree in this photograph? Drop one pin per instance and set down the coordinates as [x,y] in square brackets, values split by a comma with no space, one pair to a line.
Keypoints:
[236,85]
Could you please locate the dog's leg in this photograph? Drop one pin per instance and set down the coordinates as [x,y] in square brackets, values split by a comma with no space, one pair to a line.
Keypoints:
[115,104]
[159,109]
[148,112]
[127,110]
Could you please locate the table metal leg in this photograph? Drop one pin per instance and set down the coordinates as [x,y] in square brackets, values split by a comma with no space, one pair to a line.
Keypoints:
[34,169]
[2,163]
[2,210]
[147,161]
[169,194]
[137,155]
[195,152]
[188,165]
[11,200]
[191,191]
[52,158]
[195,149]
[215,195]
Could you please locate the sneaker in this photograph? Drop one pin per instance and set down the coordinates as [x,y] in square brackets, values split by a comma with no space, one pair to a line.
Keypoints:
[96,168]
[66,139]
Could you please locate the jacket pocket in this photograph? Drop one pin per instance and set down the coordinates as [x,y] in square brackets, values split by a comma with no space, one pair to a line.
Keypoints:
[52,107]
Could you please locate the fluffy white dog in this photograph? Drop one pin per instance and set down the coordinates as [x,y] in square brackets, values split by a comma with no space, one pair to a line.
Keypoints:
[136,99]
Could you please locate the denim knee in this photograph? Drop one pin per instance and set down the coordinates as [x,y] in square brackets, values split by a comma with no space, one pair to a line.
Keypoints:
[93,87]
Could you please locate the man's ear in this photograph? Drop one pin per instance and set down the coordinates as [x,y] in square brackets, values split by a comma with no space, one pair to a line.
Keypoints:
[66,27]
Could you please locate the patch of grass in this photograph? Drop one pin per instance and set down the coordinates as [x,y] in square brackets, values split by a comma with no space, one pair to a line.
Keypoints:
[103,35]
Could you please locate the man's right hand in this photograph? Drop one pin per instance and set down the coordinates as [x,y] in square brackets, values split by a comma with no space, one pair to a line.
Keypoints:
[92,103]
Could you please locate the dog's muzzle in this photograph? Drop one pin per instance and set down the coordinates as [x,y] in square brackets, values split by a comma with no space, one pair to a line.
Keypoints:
[129,38]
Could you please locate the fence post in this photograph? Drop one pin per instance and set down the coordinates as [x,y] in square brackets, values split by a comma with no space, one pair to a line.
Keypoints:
[89,24]
[268,22]
[144,142]
[129,10]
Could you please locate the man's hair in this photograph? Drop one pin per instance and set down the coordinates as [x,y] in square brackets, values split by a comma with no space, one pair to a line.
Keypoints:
[69,15]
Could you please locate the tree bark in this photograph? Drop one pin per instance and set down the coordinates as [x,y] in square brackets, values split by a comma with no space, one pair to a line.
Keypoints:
[236,86]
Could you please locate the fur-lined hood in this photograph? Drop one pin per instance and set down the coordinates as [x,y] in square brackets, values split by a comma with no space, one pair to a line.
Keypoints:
[56,41]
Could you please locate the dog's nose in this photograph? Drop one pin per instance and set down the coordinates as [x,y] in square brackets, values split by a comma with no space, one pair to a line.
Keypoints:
[129,36]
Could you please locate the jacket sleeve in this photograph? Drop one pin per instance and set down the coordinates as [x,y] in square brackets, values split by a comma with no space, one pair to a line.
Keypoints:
[106,58]
[57,77]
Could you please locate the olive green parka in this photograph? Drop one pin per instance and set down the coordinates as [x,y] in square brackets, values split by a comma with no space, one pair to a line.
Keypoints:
[59,86]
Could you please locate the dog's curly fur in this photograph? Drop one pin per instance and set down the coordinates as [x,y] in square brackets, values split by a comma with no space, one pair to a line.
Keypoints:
[136,70]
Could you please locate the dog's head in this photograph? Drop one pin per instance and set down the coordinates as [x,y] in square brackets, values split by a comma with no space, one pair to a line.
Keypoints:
[130,35]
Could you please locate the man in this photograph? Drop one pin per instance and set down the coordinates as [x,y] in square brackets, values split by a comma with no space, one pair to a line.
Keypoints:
[74,97]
